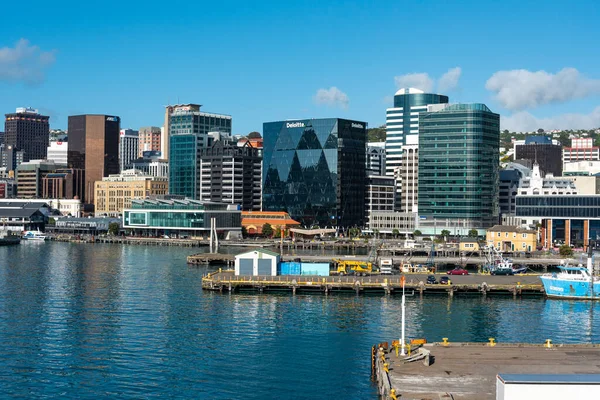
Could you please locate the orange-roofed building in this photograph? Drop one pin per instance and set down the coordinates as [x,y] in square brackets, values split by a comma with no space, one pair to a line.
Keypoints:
[253,221]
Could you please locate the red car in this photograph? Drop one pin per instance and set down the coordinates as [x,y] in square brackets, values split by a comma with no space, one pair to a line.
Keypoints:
[458,271]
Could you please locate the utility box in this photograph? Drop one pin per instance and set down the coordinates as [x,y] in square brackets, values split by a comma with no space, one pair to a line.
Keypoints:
[547,386]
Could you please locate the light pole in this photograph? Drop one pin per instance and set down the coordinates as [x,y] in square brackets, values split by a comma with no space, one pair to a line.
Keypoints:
[403,280]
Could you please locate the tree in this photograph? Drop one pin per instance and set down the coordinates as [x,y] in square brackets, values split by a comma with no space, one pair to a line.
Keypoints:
[114,228]
[51,221]
[354,232]
[244,232]
[417,233]
[565,250]
[277,232]
[473,233]
[395,232]
[445,233]
[267,230]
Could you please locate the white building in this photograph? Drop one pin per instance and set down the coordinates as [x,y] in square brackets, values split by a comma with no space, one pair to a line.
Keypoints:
[376,158]
[582,149]
[57,152]
[128,148]
[65,207]
[548,185]
[581,168]
[257,262]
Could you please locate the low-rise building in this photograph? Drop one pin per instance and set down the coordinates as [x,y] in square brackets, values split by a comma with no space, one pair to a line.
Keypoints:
[83,226]
[22,216]
[511,238]
[253,221]
[257,262]
[65,207]
[115,192]
[469,245]
[389,221]
[29,177]
[183,218]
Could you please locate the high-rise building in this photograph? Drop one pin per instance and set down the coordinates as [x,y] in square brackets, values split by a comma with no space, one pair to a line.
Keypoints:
[458,168]
[128,148]
[315,170]
[28,131]
[29,177]
[376,158]
[188,135]
[409,178]
[149,139]
[93,147]
[57,152]
[380,196]
[402,127]
[543,151]
[231,174]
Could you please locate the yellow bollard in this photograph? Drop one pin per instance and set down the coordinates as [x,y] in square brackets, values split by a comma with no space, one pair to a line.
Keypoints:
[393,394]
[385,367]
[445,341]
[548,343]
[492,342]
[397,348]
[408,349]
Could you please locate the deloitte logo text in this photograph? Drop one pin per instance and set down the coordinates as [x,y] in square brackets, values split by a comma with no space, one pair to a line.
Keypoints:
[359,126]
[294,125]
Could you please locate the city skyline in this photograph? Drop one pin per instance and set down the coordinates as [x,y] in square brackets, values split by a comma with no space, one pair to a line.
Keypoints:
[263,63]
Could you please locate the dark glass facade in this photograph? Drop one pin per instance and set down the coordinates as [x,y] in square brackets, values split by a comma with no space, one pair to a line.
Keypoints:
[28,131]
[458,165]
[578,206]
[315,170]
[548,156]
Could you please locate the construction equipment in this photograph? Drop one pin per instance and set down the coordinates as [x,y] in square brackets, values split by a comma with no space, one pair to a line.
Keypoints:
[349,267]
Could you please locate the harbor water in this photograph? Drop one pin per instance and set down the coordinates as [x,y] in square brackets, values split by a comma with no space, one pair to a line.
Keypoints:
[112,321]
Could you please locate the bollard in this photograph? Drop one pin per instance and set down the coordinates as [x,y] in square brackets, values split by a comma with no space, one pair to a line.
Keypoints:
[393,394]
[548,343]
[445,341]
[492,342]
[408,349]
[386,367]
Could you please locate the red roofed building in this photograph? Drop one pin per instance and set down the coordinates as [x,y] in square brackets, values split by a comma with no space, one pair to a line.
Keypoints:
[253,221]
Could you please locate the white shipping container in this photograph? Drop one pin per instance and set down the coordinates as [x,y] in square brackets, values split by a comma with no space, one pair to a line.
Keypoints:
[547,386]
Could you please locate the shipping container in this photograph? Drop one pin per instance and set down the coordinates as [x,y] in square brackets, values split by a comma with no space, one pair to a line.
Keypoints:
[319,269]
[290,268]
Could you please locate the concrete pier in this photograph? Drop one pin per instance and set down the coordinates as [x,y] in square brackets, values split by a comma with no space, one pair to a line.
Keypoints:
[376,284]
[468,370]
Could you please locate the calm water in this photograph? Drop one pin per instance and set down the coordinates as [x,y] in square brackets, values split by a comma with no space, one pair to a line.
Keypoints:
[108,321]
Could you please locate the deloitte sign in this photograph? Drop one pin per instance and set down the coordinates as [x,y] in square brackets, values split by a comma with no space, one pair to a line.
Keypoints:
[294,125]
[357,125]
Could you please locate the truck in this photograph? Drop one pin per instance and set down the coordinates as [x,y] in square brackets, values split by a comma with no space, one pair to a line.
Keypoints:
[385,266]
[352,267]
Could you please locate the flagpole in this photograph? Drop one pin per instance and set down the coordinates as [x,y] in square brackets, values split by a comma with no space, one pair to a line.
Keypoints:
[403,318]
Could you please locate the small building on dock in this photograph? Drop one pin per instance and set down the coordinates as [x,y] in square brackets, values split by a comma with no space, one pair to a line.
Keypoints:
[257,262]
[511,238]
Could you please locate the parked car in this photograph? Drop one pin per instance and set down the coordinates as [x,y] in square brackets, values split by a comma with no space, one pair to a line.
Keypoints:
[431,280]
[458,271]
[502,271]
[444,280]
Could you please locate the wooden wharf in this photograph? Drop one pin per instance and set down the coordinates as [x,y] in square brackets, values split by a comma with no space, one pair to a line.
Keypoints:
[518,285]
[211,258]
[467,371]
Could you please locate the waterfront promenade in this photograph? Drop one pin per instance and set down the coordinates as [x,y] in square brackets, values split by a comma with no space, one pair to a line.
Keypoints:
[467,371]
[519,285]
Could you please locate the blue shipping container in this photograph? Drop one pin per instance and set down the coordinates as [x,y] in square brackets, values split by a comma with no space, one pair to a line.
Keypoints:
[289,268]
[320,269]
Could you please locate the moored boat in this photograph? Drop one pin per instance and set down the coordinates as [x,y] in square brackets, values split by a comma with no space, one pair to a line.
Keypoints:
[8,238]
[34,235]
[572,283]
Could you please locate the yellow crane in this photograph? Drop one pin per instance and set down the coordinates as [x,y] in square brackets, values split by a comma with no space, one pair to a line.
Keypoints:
[348,267]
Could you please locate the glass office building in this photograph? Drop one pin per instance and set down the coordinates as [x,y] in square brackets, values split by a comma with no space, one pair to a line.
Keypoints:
[185,217]
[188,136]
[458,167]
[315,170]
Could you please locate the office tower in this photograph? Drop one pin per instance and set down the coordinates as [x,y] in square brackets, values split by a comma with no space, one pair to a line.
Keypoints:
[541,150]
[315,170]
[188,135]
[128,148]
[402,127]
[28,131]
[376,158]
[380,196]
[409,178]
[231,174]
[57,152]
[458,167]
[149,140]
[29,177]
[93,147]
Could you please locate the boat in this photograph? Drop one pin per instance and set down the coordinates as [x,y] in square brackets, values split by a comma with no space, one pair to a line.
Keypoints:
[520,269]
[8,237]
[572,282]
[34,235]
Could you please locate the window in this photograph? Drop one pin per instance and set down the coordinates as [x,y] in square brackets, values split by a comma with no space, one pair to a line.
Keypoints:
[524,236]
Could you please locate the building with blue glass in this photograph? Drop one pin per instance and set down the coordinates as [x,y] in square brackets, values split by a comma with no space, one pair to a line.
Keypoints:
[458,167]
[402,128]
[315,170]
[188,137]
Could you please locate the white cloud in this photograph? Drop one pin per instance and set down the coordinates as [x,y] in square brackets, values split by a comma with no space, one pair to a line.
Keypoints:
[333,97]
[424,82]
[525,122]
[420,81]
[519,89]
[24,62]
[449,80]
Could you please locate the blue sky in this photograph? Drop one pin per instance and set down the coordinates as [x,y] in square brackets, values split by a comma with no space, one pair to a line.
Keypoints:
[268,61]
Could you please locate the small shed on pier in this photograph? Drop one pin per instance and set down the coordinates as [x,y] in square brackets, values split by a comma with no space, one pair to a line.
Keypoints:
[257,262]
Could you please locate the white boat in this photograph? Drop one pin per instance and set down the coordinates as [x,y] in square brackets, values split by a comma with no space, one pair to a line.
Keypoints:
[34,235]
